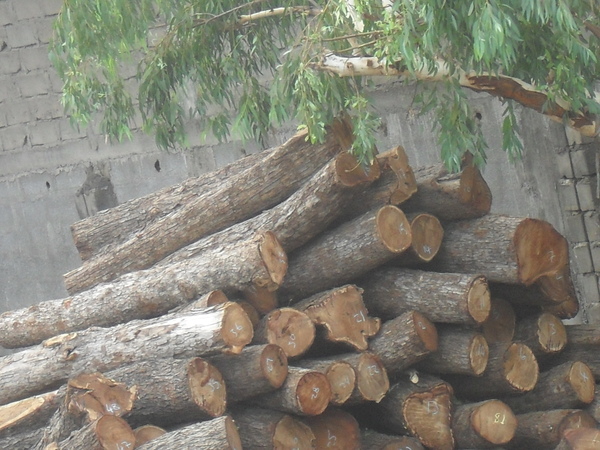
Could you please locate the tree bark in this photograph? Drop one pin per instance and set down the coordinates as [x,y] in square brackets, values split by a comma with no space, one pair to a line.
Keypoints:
[204,332]
[105,432]
[485,424]
[335,429]
[216,434]
[503,249]
[339,373]
[594,407]
[427,234]
[583,335]
[579,439]
[374,440]
[587,354]
[148,293]
[501,323]
[543,333]
[146,433]
[346,252]
[290,329]
[442,297]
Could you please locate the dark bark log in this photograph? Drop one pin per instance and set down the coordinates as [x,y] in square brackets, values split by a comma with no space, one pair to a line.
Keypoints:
[583,335]
[485,424]
[503,249]
[203,332]
[501,323]
[336,429]
[442,297]
[216,434]
[579,439]
[404,341]
[106,432]
[258,369]
[594,407]
[460,351]
[340,255]
[267,429]
[543,333]
[146,433]
[339,373]
[568,385]
[588,355]
[371,439]
[290,329]
[148,293]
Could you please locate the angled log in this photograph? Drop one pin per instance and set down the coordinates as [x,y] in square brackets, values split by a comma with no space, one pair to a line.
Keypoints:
[501,323]
[218,433]
[106,432]
[579,439]
[203,332]
[442,297]
[146,433]
[457,196]
[344,253]
[336,429]
[588,355]
[485,424]
[504,249]
[427,235]
[256,370]
[339,373]
[379,441]
[460,351]
[290,329]
[404,341]
[238,198]
[305,392]
[568,385]
[148,293]
[341,313]
[211,298]
[543,333]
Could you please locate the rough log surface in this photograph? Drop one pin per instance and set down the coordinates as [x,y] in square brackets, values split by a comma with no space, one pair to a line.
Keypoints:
[486,424]
[336,429]
[339,373]
[371,439]
[543,333]
[290,329]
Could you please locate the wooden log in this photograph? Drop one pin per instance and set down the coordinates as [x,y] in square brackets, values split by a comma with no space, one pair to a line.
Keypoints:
[336,429]
[543,333]
[340,374]
[501,323]
[305,392]
[588,355]
[404,341]
[290,329]
[250,311]
[216,434]
[148,293]
[203,332]
[594,407]
[342,314]
[568,385]
[146,433]
[504,249]
[449,197]
[442,297]
[460,351]
[340,255]
[485,424]
[263,299]
[256,370]
[106,432]
[427,235]
[583,335]
[265,428]
[371,439]
[579,439]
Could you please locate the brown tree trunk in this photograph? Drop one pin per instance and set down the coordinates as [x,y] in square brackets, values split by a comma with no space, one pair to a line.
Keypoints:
[501,323]
[335,429]
[263,299]
[346,252]
[442,297]
[588,355]
[485,424]
[404,341]
[204,332]
[290,329]
[216,434]
[374,440]
[146,433]
[147,293]
[427,234]
[543,333]
[579,439]
[504,249]
[583,335]
[105,432]
[594,407]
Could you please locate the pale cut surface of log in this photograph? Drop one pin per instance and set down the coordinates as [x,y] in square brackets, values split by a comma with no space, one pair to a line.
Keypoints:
[290,329]
[146,294]
[342,313]
[371,439]
[251,311]
[336,429]
[203,332]
[501,323]
[256,370]
[504,249]
[344,253]
[239,197]
[106,432]
[146,433]
[442,297]
[427,235]
[339,373]
[543,333]
[485,424]
[579,439]
[216,434]
[265,428]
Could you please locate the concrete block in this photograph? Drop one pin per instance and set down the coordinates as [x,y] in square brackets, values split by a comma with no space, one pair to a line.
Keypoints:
[68,132]
[595,252]
[574,227]
[199,160]
[27,9]
[593,314]
[7,14]
[44,133]
[43,29]
[582,257]
[14,137]
[33,84]
[34,58]
[591,219]
[47,107]
[586,192]
[567,195]
[588,287]
[227,153]
[9,62]
[7,88]
[51,7]
[584,159]
[564,165]
[17,112]
[20,35]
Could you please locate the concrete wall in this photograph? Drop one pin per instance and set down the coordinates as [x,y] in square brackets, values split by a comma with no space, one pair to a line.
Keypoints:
[52,175]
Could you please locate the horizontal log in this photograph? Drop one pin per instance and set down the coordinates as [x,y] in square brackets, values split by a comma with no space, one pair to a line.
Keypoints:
[501,323]
[146,433]
[579,439]
[543,333]
[339,373]
[335,428]
[380,441]
[485,424]
[288,328]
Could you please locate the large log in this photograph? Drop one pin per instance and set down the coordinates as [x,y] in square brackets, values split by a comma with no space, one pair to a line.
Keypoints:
[543,333]
[340,374]
[204,332]
[371,439]
[237,198]
[501,324]
[485,424]
[148,293]
[427,235]
[335,429]
[442,297]
[290,329]
[105,432]
[579,439]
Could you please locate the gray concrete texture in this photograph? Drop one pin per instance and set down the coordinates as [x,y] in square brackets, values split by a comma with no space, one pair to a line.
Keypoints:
[51,175]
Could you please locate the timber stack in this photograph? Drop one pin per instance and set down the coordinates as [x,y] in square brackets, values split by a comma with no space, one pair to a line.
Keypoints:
[299,299]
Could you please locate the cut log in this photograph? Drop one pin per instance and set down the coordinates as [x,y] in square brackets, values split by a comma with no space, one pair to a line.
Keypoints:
[342,314]
[485,424]
[504,249]
[265,428]
[146,433]
[579,439]
[427,234]
[543,333]
[216,434]
[460,351]
[237,198]
[583,335]
[568,385]
[203,332]
[263,299]
[336,429]
[290,329]
[256,370]
[442,297]
[106,432]
[305,392]
[404,341]
[371,439]
[148,293]
[250,311]
[501,323]
[594,407]
[339,373]
[340,255]
[449,197]
[587,354]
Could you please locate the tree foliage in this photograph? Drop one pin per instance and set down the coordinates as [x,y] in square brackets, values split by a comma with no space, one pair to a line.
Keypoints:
[247,66]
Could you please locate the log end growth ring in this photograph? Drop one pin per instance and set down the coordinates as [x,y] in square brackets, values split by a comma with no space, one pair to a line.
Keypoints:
[114,432]
[551,334]
[479,302]
[479,354]
[313,393]
[275,260]
[581,379]
[350,172]
[427,235]
[372,379]
[236,328]
[342,379]
[290,329]
[394,229]
[520,367]
[207,387]
[232,433]
[494,421]
[291,433]
[274,365]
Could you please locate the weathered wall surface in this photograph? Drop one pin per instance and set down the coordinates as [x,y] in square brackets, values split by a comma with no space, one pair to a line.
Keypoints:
[52,175]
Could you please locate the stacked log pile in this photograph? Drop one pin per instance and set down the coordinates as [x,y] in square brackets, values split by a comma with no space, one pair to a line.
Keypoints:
[297,299]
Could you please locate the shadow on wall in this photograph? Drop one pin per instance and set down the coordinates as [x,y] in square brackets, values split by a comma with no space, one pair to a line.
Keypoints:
[96,193]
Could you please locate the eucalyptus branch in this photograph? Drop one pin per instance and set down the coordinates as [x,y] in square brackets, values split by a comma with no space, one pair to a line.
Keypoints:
[308,10]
